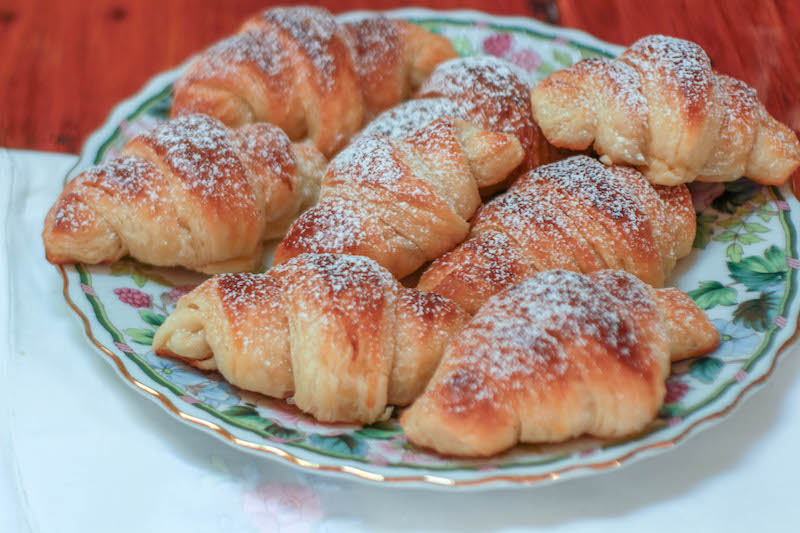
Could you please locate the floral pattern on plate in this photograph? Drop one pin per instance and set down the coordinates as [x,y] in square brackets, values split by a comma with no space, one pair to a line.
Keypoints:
[742,272]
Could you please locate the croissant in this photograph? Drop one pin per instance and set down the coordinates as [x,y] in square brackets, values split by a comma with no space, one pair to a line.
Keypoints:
[661,107]
[190,193]
[484,90]
[336,331]
[560,355]
[403,202]
[297,68]
[576,214]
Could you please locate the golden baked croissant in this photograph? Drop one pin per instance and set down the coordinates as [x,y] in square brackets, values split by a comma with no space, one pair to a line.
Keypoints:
[576,214]
[190,193]
[403,202]
[484,90]
[560,355]
[336,331]
[297,68]
[661,107]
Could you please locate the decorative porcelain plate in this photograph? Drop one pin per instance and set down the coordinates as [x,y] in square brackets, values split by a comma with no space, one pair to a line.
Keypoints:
[743,272]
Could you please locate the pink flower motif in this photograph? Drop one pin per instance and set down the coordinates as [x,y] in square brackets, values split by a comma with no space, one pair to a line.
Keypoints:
[190,399]
[125,128]
[527,59]
[783,205]
[674,421]
[675,391]
[780,321]
[792,262]
[383,452]
[498,44]
[88,290]
[124,347]
[133,297]
[279,507]
[176,293]
[740,376]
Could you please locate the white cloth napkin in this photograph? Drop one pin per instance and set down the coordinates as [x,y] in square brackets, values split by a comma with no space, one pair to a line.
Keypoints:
[81,451]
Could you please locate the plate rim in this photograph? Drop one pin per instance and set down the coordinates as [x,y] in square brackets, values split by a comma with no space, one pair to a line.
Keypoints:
[157,85]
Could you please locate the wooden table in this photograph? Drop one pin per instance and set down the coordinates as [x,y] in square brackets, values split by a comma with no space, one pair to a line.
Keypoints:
[65,64]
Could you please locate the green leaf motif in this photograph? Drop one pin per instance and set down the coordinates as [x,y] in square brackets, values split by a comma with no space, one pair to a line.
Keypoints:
[340,444]
[240,410]
[562,58]
[141,336]
[139,279]
[706,369]
[734,252]
[749,238]
[381,430]
[282,432]
[546,68]
[757,313]
[161,108]
[248,416]
[462,46]
[776,259]
[725,236]
[713,293]
[755,227]
[704,230]
[736,194]
[757,273]
[154,319]
[670,410]
[587,54]
[766,217]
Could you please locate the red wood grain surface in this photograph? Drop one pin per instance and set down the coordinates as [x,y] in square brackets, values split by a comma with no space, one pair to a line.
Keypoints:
[65,64]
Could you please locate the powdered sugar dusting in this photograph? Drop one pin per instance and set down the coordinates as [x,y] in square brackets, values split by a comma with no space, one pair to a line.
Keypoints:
[245,292]
[334,224]
[685,62]
[264,147]
[355,286]
[404,119]
[197,149]
[502,261]
[529,218]
[584,176]
[625,82]
[373,160]
[521,335]
[254,47]
[129,178]
[377,45]
[425,305]
[340,272]
[313,29]
[251,302]
[493,94]
[72,214]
